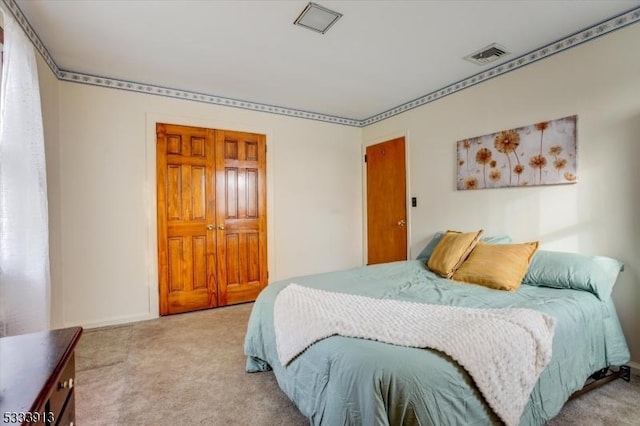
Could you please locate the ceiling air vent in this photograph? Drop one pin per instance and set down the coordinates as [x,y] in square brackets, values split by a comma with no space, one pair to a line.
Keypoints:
[317,18]
[487,54]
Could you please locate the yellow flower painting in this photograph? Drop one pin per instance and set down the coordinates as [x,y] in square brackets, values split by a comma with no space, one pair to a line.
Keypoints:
[543,153]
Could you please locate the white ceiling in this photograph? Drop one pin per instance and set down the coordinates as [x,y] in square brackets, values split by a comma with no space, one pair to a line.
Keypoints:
[379,55]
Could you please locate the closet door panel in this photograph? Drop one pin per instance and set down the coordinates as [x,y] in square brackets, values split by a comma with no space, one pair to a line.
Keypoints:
[186,214]
[241,215]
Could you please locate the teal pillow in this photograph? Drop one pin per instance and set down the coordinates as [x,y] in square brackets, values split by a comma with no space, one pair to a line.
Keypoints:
[595,274]
[496,239]
[425,254]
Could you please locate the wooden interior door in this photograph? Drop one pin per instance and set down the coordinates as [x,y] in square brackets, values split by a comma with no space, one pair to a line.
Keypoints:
[386,202]
[186,218]
[241,215]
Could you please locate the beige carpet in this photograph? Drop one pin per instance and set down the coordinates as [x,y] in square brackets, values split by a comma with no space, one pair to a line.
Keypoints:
[189,370]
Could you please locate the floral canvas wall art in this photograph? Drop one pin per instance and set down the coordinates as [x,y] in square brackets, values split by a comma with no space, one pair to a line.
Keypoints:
[539,154]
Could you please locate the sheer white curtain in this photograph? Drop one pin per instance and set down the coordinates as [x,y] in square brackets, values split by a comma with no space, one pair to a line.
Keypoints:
[24,229]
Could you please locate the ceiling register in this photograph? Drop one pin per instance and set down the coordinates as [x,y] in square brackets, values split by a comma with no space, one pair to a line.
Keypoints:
[317,18]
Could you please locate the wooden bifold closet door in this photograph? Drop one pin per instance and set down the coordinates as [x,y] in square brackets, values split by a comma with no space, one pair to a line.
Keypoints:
[211,191]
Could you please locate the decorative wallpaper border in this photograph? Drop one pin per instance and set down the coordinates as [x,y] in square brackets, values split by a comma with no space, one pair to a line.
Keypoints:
[627,18]
[200,97]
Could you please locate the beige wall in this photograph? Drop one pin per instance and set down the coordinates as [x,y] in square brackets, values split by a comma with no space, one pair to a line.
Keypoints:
[105,196]
[599,81]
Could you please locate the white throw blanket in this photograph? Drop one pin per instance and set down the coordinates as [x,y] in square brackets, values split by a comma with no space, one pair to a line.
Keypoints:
[503,350]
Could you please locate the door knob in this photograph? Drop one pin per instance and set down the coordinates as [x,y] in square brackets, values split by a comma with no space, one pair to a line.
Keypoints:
[221,227]
[210,227]
[401,222]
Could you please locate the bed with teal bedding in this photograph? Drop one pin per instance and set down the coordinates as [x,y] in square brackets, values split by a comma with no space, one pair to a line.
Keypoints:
[349,381]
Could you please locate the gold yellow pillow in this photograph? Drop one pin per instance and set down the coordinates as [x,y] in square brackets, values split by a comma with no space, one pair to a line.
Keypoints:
[497,266]
[451,251]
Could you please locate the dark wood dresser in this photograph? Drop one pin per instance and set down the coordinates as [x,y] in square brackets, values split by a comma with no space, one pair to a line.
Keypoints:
[37,378]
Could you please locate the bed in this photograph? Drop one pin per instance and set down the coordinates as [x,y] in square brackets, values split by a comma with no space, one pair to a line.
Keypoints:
[342,380]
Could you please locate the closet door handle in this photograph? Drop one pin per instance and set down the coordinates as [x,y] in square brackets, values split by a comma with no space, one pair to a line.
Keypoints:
[210,227]
[221,227]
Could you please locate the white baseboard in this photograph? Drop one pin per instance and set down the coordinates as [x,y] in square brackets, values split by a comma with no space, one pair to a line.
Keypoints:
[635,367]
[113,321]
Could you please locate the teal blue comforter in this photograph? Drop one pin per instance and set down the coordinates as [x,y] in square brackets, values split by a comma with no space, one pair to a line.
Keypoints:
[348,381]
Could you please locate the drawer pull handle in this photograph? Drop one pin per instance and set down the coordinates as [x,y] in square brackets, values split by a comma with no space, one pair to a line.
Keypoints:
[63,385]
[66,384]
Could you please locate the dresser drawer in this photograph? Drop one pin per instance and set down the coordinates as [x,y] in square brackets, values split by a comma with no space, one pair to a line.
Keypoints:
[62,388]
[68,415]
